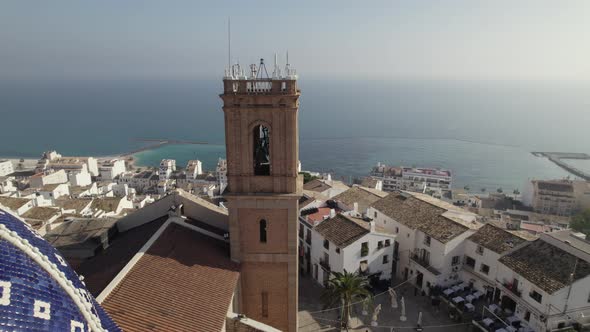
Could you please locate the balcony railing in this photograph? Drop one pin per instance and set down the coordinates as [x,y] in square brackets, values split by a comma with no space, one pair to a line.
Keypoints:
[425,264]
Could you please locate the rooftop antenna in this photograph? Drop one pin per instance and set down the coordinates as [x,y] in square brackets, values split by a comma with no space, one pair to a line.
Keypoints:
[228,42]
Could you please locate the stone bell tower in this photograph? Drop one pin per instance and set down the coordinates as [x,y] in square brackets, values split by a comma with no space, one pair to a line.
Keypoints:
[262,146]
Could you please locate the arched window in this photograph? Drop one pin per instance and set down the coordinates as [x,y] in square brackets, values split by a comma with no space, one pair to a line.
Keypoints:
[261,150]
[262,231]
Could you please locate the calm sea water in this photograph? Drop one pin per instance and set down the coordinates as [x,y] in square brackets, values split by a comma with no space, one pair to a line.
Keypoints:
[482,130]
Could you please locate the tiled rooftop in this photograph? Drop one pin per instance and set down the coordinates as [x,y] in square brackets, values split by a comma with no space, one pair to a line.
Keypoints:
[13,203]
[107,204]
[496,239]
[546,266]
[184,282]
[41,213]
[50,187]
[363,196]
[77,204]
[77,230]
[316,185]
[342,230]
[99,270]
[420,215]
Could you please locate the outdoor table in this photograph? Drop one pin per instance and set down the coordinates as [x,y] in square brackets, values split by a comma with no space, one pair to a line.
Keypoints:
[470,307]
[469,298]
[501,330]
[493,307]
[488,321]
[458,299]
[511,329]
[456,288]
[478,294]
[448,291]
[463,285]
[513,319]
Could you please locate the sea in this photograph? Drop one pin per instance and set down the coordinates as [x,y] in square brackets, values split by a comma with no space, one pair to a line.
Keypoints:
[483,131]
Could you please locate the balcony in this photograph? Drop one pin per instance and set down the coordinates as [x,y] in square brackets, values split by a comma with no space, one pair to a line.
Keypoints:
[324,264]
[425,264]
[511,288]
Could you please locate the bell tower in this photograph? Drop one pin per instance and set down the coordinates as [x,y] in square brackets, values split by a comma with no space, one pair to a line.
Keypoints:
[262,147]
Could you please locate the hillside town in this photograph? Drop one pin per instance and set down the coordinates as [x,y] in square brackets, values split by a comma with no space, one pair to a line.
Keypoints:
[496,260]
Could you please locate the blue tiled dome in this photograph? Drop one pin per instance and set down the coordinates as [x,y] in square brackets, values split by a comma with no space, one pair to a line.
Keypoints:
[39,291]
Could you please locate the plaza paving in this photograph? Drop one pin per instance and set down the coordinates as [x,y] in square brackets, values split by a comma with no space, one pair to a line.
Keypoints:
[432,320]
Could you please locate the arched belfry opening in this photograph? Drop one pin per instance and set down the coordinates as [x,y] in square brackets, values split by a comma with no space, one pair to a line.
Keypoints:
[261,150]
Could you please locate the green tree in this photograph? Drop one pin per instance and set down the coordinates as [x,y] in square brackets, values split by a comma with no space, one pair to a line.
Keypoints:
[308,177]
[581,222]
[343,289]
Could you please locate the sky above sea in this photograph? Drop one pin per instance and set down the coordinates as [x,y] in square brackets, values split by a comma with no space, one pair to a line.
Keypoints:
[483,131]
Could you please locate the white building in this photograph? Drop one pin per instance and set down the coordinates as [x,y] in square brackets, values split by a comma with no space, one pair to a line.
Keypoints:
[550,197]
[346,243]
[481,254]
[80,178]
[221,174]
[167,166]
[193,169]
[546,283]
[7,185]
[55,161]
[109,170]
[50,192]
[49,177]
[6,167]
[429,236]
[434,181]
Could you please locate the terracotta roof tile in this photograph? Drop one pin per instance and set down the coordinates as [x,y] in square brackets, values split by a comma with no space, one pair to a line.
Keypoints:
[342,230]
[420,215]
[496,239]
[545,265]
[184,282]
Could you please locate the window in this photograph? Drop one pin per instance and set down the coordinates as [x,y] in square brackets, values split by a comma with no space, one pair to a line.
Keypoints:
[385,259]
[264,300]
[379,245]
[455,260]
[527,316]
[470,262]
[397,230]
[262,229]
[484,269]
[337,250]
[427,240]
[364,249]
[308,236]
[479,250]
[536,296]
[375,214]
[261,151]
[387,243]
[326,244]
[301,230]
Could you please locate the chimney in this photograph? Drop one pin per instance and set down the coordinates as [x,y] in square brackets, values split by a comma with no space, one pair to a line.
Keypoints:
[355,207]
[332,213]
[372,226]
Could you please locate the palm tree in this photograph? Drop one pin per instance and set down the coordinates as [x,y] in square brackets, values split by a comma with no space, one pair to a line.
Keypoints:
[344,289]
[500,190]
[516,192]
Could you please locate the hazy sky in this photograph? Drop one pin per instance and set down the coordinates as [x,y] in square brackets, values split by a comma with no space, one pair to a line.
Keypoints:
[439,39]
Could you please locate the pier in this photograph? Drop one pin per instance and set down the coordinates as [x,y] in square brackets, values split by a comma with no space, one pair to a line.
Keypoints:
[557,158]
[156,143]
